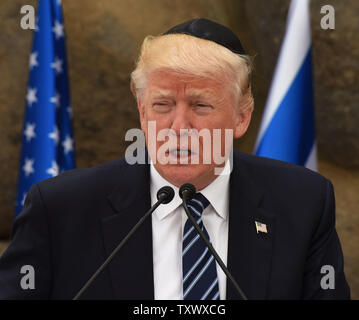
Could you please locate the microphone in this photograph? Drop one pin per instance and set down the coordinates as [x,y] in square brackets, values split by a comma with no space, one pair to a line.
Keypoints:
[187,192]
[164,195]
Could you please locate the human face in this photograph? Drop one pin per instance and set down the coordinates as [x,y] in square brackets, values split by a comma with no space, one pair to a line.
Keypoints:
[176,101]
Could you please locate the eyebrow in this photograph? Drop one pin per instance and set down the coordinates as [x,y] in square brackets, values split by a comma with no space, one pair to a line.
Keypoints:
[161,95]
[201,94]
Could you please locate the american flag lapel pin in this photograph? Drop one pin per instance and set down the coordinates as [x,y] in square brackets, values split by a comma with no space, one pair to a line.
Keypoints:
[261,227]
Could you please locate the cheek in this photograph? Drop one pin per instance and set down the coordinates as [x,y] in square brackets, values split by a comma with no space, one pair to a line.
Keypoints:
[144,122]
[162,121]
[222,120]
[141,110]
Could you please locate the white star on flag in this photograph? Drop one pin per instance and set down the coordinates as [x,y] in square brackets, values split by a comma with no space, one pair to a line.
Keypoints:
[57,65]
[28,166]
[58,29]
[56,99]
[68,144]
[59,2]
[29,131]
[54,170]
[33,60]
[55,135]
[31,96]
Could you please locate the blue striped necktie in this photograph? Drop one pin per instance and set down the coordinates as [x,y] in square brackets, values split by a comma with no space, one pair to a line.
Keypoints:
[200,281]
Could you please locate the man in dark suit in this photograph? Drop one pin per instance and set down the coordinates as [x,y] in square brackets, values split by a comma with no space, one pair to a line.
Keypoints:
[272,223]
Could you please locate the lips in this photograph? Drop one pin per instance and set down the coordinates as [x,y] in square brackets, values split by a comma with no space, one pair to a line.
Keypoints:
[180,152]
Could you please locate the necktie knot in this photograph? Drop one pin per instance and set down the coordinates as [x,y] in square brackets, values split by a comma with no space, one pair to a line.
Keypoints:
[197,204]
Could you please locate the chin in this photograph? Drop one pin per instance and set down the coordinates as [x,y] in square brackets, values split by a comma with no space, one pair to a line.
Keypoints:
[180,174]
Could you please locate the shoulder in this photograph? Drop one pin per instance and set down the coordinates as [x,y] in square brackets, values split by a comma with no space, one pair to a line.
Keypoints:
[84,194]
[97,176]
[271,171]
[79,185]
[286,187]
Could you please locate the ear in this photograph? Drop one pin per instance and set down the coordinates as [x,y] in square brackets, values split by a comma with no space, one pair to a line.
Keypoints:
[243,119]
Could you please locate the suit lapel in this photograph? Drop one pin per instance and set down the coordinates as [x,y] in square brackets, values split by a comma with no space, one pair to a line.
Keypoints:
[249,252]
[131,271]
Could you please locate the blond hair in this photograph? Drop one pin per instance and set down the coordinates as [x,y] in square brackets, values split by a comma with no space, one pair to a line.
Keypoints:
[185,54]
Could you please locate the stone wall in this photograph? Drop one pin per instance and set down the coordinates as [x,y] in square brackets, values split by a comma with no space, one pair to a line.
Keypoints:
[103,37]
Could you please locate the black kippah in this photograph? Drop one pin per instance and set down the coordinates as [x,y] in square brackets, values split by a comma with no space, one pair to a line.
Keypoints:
[209,30]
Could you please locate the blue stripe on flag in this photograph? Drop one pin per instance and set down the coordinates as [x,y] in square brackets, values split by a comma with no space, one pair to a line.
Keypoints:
[290,134]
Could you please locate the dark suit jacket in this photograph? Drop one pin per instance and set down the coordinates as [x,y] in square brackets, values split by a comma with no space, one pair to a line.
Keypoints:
[71,223]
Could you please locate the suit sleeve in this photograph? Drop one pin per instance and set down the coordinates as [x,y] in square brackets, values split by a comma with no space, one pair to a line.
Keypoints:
[29,246]
[324,270]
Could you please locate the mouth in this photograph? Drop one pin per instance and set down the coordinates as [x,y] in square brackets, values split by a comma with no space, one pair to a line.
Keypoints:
[180,154]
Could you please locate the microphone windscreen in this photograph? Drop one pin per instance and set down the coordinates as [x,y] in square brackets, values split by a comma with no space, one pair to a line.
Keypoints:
[187,190]
[167,193]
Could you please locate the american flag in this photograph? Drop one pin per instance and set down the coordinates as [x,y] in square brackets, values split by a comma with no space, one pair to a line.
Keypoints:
[47,145]
[261,227]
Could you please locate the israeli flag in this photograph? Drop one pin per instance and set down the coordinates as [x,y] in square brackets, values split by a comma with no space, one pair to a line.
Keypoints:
[287,130]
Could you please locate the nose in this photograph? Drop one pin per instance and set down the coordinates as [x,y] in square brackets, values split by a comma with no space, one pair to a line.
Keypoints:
[182,118]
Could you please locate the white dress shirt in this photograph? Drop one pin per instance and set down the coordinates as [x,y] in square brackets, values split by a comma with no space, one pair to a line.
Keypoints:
[167,231]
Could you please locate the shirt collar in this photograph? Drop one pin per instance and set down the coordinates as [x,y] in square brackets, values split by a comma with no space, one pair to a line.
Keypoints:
[157,182]
[217,193]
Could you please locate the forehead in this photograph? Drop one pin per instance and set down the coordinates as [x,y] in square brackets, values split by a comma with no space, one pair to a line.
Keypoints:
[164,82]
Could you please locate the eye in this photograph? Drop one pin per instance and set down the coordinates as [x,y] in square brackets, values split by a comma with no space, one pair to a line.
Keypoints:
[161,106]
[202,104]
[202,108]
